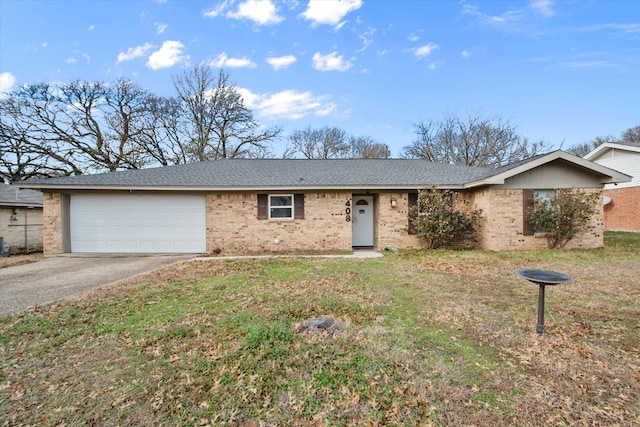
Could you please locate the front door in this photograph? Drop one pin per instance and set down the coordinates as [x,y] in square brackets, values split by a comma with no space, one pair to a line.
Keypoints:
[362,220]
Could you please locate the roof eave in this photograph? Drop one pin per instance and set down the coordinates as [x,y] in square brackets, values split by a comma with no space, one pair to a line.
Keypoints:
[203,188]
[608,146]
[20,205]
[609,176]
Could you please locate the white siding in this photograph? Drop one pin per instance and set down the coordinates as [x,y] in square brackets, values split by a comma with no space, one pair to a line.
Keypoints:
[622,161]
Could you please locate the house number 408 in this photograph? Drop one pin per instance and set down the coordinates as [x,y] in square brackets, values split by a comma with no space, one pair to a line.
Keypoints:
[347,210]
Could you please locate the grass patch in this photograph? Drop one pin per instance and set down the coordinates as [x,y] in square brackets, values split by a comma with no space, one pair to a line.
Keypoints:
[432,337]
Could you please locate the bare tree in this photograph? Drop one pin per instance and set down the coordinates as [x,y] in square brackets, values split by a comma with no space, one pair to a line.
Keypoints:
[583,149]
[221,126]
[474,141]
[333,143]
[629,136]
[324,143]
[19,158]
[162,134]
[24,152]
[80,126]
[365,147]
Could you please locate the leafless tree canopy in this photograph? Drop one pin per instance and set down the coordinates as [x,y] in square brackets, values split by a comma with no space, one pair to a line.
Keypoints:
[79,127]
[333,143]
[219,125]
[473,141]
[629,136]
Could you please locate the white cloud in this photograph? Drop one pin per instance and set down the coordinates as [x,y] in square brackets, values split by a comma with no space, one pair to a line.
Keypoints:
[134,52]
[625,28]
[280,62]
[367,38]
[161,27]
[543,7]
[425,50]
[216,11]
[169,54]
[465,54]
[91,27]
[413,38]
[223,60]
[262,12]
[492,20]
[287,104]
[330,62]
[587,64]
[330,12]
[7,81]
[44,44]
[71,60]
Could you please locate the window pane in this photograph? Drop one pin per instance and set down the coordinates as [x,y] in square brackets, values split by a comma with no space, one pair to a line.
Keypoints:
[281,201]
[544,194]
[281,212]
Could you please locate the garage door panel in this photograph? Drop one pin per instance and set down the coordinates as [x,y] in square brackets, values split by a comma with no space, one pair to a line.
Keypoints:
[138,223]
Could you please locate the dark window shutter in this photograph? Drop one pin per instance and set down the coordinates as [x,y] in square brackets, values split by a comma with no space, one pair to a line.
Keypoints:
[263,206]
[413,202]
[298,206]
[527,206]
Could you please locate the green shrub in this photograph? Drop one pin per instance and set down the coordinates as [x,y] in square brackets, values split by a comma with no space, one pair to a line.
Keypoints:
[436,220]
[563,216]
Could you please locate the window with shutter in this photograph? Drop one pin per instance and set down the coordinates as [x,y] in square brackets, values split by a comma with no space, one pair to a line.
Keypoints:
[527,206]
[280,206]
[298,202]
[263,206]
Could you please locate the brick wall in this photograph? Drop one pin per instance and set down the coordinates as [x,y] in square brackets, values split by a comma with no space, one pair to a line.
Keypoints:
[503,224]
[233,227]
[623,212]
[52,222]
[392,222]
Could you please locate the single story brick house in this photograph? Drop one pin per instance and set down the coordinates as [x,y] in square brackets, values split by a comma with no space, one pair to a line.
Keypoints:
[20,220]
[247,206]
[622,200]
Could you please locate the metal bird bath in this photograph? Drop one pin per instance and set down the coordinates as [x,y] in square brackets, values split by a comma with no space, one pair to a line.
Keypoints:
[543,278]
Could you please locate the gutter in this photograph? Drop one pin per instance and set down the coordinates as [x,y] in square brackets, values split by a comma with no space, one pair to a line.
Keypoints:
[356,188]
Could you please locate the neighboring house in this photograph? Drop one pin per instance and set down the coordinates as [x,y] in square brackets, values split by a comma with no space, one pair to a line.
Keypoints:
[305,206]
[622,210]
[20,219]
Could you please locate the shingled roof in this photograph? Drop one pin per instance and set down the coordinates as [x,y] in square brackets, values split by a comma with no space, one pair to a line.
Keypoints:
[299,174]
[13,196]
[246,174]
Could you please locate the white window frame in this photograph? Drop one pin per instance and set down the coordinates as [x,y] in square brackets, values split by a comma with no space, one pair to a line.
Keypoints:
[291,206]
[545,194]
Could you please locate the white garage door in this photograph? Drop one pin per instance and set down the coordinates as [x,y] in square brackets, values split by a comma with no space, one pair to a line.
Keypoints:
[137,223]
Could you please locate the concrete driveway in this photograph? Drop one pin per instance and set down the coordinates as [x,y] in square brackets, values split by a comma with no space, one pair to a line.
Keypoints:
[57,277]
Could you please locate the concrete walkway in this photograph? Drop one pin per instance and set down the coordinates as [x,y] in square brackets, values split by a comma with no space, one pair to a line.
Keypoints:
[361,253]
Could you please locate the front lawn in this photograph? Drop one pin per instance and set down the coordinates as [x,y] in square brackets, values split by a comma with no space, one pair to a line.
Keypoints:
[432,337]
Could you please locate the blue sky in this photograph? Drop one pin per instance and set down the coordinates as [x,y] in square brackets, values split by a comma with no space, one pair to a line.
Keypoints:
[563,71]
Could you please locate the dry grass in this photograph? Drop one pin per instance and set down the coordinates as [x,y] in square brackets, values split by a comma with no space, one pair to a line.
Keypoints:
[20,259]
[432,338]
